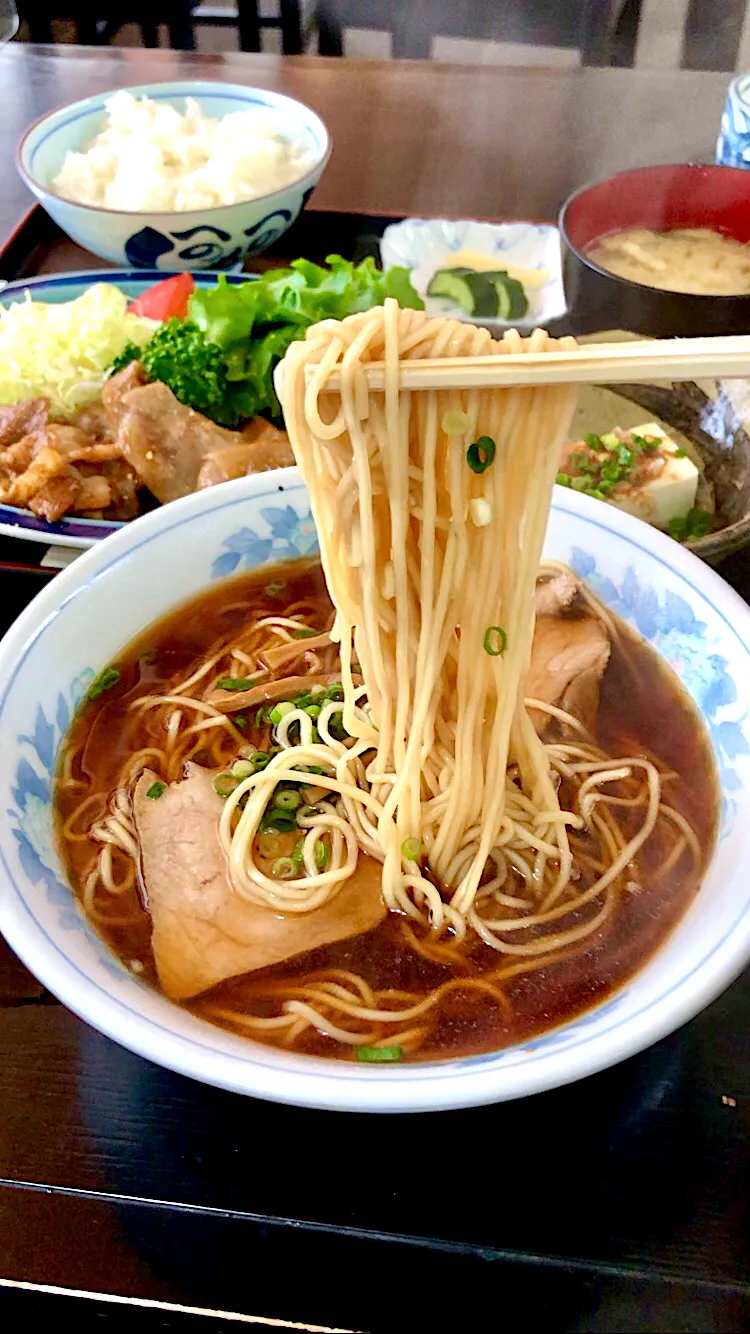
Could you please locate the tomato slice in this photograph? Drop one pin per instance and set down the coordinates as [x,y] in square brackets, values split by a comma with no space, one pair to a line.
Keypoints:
[167,300]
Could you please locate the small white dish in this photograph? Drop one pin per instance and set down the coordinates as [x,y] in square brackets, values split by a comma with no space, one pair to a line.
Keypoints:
[425,245]
[94,608]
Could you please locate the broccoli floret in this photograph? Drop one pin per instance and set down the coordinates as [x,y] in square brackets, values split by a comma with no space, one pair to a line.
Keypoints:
[181,356]
[131,352]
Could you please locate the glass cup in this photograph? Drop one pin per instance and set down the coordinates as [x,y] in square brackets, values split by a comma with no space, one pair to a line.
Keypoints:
[733,145]
[8,20]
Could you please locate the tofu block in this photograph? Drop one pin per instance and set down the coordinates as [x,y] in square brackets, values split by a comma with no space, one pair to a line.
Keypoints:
[670,493]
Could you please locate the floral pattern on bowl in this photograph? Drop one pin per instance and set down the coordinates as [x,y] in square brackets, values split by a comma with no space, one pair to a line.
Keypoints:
[424,245]
[670,625]
[288,536]
[207,246]
[32,820]
[214,237]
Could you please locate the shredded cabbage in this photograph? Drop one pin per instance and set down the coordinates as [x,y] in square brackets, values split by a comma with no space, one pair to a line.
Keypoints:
[64,351]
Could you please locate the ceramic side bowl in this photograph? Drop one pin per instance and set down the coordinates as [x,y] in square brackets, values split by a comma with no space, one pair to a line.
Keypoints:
[91,611]
[424,245]
[211,238]
[661,198]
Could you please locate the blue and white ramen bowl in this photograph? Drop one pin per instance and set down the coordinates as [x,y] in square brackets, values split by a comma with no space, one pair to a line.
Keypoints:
[101,602]
[211,238]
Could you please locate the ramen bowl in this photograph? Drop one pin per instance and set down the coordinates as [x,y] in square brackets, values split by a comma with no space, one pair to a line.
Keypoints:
[110,594]
[659,198]
[207,238]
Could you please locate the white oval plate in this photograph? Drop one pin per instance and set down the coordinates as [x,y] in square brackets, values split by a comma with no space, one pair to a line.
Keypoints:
[54,288]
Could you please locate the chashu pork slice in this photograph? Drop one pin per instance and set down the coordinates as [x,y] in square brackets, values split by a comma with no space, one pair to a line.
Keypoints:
[165,442]
[176,451]
[554,595]
[568,659]
[204,933]
[260,447]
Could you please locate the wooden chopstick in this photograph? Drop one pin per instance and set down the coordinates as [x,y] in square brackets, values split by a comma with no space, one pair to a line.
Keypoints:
[602,363]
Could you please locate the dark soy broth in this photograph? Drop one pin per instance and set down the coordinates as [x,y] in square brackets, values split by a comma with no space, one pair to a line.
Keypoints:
[643,712]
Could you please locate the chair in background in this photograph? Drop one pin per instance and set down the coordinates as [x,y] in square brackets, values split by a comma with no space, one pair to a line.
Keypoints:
[567,32]
[96,22]
[250,23]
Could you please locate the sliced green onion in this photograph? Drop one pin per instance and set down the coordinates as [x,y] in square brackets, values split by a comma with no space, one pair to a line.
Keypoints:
[313,710]
[284,869]
[481,455]
[298,852]
[242,769]
[584,463]
[260,718]
[280,711]
[648,443]
[317,689]
[308,809]
[321,855]
[259,759]
[156,790]
[495,640]
[382,1054]
[689,527]
[287,800]
[563,479]
[277,822]
[240,721]
[680,454]
[224,784]
[304,633]
[104,681]
[336,727]
[411,848]
[235,683]
[455,423]
[275,588]
[269,845]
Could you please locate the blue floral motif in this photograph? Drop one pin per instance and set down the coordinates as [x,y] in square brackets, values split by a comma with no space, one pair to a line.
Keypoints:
[209,247]
[669,623]
[31,817]
[560,1037]
[289,535]
[264,233]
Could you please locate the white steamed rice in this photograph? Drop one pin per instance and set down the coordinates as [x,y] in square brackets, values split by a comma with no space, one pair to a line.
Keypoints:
[152,157]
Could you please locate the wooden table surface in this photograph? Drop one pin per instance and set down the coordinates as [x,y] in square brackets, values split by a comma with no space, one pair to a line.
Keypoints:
[620,1203]
[412,136]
